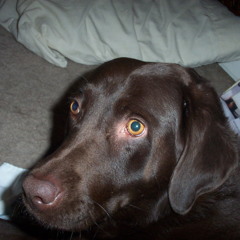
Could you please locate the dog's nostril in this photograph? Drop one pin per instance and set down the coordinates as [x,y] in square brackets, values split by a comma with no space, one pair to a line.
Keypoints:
[38,200]
[44,192]
[40,192]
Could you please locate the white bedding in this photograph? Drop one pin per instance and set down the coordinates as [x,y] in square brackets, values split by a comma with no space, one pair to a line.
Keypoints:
[233,69]
[188,32]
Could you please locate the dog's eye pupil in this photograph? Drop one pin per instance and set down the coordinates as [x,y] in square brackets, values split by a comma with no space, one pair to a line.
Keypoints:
[74,107]
[135,127]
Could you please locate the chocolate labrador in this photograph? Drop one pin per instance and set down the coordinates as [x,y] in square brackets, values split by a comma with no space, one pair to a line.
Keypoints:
[149,155]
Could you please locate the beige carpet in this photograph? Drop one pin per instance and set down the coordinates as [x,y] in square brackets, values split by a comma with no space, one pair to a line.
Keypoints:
[33,100]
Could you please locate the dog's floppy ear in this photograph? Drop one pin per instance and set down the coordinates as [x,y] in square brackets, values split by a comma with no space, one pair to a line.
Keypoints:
[210,151]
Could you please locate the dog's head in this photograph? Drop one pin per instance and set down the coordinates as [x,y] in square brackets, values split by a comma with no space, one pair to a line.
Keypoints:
[144,139]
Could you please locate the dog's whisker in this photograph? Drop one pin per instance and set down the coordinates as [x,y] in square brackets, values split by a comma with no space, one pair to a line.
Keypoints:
[157,182]
[71,236]
[108,215]
[98,226]
[15,209]
[95,234]
[138,208]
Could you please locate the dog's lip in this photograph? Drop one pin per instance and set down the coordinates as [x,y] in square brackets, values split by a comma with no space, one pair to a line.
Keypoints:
[80,224]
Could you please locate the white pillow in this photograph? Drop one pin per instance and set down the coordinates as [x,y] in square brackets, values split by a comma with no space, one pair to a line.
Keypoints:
[188,32]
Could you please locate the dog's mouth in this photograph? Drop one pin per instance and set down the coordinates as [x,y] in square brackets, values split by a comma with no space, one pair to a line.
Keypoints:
[51,205]
[84,217]
[60,218]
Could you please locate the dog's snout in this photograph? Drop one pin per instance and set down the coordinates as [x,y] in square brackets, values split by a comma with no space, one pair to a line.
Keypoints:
[41,192]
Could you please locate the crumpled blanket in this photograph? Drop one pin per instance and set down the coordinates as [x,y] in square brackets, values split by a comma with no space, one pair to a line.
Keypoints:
[190,33]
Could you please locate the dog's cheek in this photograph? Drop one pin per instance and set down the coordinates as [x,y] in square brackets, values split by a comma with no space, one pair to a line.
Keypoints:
[107,202]
[118,202]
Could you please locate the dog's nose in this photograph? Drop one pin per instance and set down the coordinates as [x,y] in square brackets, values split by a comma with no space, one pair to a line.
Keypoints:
[40,192]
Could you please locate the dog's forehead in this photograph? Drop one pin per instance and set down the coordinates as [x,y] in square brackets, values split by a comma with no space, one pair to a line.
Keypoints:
[151,80]
[154,92]
[142,88]
[113,75]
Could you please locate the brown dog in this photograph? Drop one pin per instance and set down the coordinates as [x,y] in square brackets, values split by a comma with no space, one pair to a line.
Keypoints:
[149,155]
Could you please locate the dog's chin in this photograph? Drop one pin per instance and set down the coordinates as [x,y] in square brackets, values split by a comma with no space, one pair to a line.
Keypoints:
[63,223]
[59,221]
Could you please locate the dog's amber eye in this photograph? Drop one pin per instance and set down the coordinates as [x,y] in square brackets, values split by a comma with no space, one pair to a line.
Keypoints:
[135,127]
[74,107]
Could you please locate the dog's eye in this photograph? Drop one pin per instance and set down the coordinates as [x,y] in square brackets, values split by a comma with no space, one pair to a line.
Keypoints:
[74,107]
[135,127]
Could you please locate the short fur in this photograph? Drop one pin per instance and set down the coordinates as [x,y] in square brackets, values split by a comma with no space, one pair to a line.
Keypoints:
[179,180]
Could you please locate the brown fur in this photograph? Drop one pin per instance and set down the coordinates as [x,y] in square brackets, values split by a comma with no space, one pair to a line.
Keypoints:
[179,180]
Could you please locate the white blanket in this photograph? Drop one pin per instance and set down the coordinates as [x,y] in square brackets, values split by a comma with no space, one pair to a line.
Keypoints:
[10,187]
[188,32]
